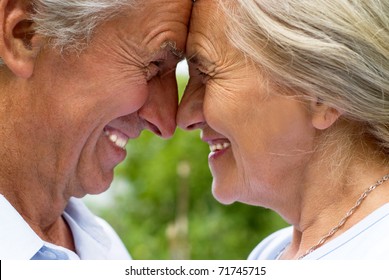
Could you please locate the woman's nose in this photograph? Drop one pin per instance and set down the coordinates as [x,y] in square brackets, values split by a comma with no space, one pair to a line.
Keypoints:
[190,111]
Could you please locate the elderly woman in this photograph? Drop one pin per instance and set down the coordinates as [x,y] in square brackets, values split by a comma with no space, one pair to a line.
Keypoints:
[293,99]
[78,79]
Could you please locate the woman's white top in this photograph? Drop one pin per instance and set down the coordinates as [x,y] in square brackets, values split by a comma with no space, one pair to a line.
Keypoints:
[367,240]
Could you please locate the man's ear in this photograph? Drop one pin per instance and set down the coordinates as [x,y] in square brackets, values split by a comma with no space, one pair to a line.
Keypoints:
[323,116]
[18,42]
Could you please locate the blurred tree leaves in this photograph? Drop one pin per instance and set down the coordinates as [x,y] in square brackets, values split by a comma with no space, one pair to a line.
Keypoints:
[162,207]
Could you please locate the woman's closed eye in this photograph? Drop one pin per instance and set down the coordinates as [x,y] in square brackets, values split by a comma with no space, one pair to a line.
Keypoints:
[203,74]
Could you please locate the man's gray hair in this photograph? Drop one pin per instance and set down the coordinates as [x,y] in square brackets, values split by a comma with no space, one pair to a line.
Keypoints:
[69,24]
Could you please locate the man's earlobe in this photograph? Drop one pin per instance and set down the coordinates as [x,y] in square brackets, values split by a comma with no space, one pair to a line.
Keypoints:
[18,43]
[323,116]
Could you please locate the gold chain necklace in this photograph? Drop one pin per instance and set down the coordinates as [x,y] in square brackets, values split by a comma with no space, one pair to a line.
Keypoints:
[346,217]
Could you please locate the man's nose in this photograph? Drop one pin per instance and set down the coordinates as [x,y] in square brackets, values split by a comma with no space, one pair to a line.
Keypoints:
[159,111]
[190,114]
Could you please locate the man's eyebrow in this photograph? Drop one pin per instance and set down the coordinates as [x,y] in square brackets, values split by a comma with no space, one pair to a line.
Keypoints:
[171,46]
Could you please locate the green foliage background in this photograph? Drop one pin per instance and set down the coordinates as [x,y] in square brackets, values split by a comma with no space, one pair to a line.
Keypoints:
[162,207]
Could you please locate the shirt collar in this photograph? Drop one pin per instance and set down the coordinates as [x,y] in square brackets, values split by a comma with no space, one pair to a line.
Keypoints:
[90,239]
[17,239]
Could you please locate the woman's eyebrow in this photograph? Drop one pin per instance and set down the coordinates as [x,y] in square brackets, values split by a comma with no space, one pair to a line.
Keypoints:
[198,59]
[193,59]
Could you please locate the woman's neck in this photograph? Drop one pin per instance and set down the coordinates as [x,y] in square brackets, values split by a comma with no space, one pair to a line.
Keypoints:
[330,192]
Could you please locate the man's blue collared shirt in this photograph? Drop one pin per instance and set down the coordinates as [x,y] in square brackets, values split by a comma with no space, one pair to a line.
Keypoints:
[94,239]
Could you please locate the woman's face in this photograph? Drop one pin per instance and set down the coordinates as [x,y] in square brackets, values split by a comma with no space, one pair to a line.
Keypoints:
[84,109]
[259,138]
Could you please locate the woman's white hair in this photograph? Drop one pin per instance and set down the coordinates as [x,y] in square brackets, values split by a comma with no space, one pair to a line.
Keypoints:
[334,50]
[69,24]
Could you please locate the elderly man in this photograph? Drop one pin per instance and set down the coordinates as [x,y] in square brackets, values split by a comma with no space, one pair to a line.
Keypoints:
[78,79]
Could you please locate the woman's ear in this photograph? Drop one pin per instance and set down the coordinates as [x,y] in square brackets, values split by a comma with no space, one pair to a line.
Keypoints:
[19,45]
[323,116]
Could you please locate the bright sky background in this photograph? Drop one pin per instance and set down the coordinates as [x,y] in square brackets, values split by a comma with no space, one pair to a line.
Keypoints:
[182,68]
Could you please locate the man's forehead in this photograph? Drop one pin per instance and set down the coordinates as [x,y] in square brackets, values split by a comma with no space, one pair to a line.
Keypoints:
[176,8]
[167,22]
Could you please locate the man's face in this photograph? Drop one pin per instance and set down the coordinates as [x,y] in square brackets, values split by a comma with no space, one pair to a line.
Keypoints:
[84,108]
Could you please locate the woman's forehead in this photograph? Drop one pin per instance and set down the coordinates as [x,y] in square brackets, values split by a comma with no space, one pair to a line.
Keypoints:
[207,25]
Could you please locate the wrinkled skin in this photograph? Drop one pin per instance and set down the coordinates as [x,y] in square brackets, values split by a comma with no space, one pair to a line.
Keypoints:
[68,116]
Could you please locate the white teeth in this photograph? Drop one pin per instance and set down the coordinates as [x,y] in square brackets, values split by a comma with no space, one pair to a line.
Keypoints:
[121,143]
[219,146]
[113,138]
[116,139]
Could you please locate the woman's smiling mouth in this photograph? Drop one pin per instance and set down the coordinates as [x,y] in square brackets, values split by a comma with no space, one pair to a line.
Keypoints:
[219,146]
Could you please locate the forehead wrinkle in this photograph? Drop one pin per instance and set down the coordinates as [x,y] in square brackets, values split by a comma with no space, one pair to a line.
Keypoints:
[202,58]
[214,53]
[202,47]
[164,29]
[169,46]
[207,29]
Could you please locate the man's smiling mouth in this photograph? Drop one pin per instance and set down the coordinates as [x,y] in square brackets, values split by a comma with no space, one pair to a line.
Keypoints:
[116,137]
